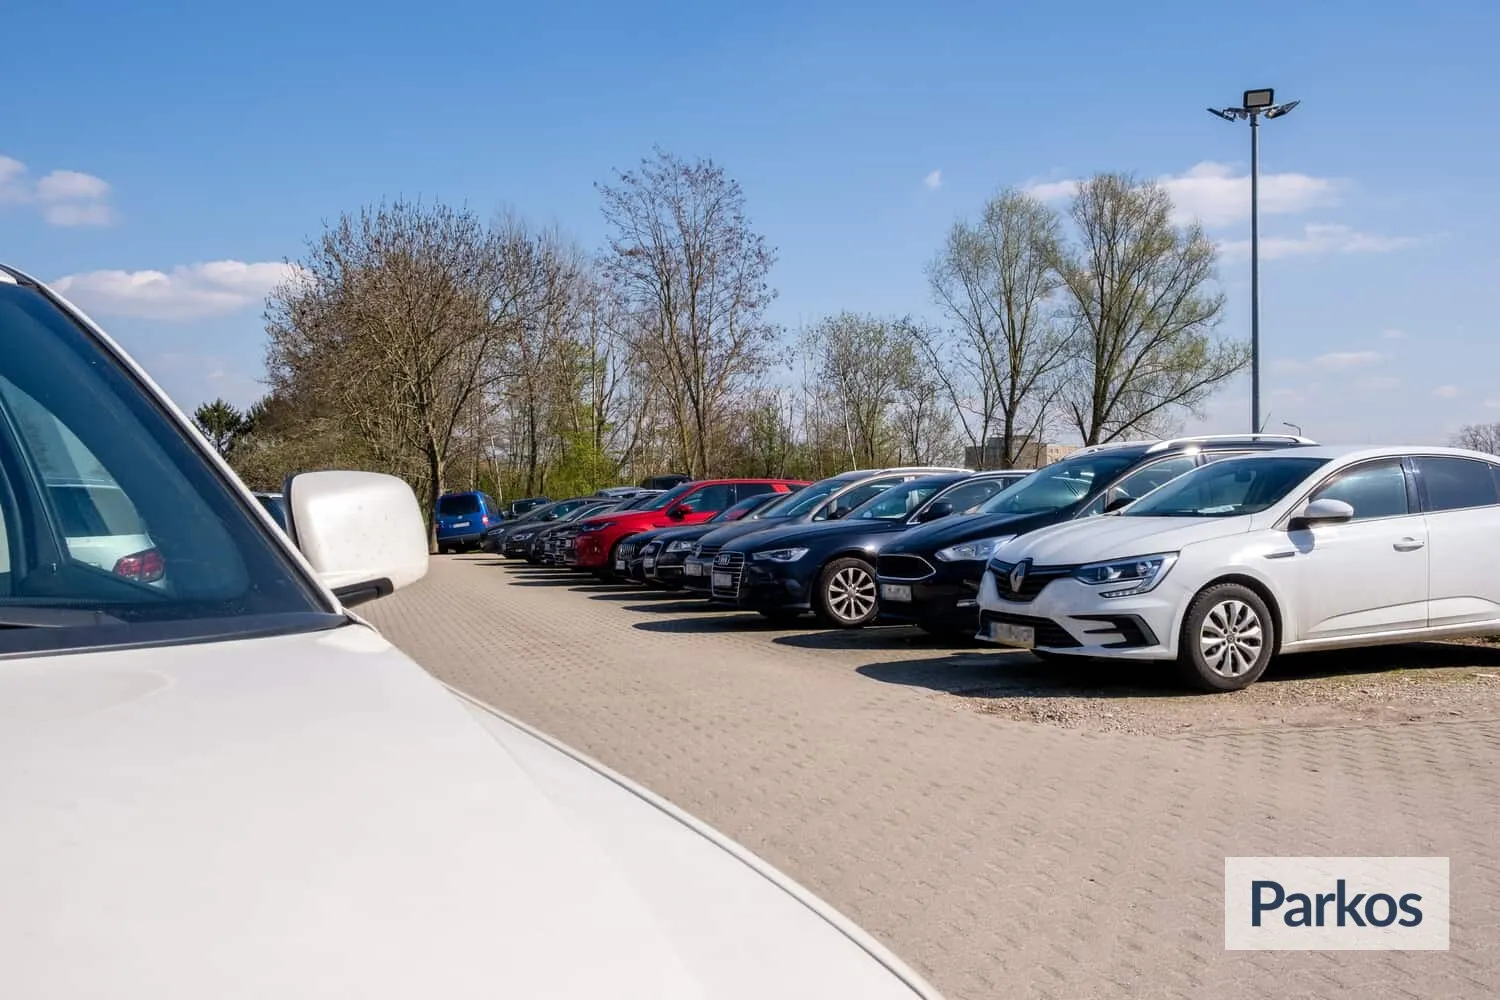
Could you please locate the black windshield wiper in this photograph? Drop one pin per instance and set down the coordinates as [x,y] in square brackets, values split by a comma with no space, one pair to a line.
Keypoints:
[24,617]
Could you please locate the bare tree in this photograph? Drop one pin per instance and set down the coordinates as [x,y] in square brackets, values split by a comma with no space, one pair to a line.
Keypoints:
[1141,310]
[995,280]
[866,361]
[1479,437]
[684,257]
[396,318]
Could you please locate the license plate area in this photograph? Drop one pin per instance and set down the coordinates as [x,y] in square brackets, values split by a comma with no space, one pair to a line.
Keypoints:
[724,580]
[1022,636]
[460,524]
[895,592]
[692,569]
[649,562]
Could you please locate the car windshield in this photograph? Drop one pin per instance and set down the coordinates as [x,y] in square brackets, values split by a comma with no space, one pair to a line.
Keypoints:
[737,511]
[1059,485]
[806,499]
[458,505]
[1227,488]
[109,515]
[896,503]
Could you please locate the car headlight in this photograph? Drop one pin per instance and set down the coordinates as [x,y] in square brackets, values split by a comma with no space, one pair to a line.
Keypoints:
[978,550]
[680,547]
[521,536]
[597,527]
[779,555]
[1135,575]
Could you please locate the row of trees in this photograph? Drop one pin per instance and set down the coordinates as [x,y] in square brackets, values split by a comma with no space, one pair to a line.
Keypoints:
[421,339]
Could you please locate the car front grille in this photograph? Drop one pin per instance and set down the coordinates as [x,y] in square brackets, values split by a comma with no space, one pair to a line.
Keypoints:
[627,550]
[1049,634]
[1034,580]
[902,567]
[733,564]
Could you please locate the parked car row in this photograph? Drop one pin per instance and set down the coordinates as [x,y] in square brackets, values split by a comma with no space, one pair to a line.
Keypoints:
[1213,552]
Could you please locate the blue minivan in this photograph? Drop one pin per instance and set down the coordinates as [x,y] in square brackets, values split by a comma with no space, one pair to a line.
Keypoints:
[463,518]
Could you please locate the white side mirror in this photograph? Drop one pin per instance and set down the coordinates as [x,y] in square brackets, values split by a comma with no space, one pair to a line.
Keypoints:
[363,532]
[1323,511]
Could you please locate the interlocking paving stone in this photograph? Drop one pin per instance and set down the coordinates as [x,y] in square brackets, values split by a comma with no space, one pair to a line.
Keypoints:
[1001,858]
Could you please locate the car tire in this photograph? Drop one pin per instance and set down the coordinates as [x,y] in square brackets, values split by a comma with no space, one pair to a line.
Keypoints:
[846,592]
[1228,639]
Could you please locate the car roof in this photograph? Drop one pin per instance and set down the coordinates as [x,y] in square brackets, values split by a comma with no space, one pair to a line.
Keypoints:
[1360,452]
[740,479]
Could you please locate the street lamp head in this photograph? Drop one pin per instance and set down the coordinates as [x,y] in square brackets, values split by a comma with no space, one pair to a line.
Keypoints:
[1282,109]
[1259,100]
[1228,114]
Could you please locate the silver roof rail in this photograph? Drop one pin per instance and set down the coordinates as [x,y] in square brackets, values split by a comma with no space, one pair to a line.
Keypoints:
[1228,438]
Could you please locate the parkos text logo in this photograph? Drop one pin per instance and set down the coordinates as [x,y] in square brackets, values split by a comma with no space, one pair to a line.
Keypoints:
[1336,904]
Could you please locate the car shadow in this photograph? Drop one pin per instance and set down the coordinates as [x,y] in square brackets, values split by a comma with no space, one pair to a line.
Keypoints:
[724,621]
[871,637]
[675,606]
[1000,673]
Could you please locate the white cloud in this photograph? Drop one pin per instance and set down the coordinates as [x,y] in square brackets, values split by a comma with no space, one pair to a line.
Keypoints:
[1393,334]
[1380,383]
[1215,195]
[1492,403]
[1318,238]
[1052,190]
[1332,361]
[1447,392]
[64,197]
[191,291]
[933,181]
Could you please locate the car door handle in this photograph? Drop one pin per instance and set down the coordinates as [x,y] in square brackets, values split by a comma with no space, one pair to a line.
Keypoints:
[1409,544]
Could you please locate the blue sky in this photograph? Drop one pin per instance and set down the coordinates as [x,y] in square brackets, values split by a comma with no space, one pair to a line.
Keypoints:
[164,139]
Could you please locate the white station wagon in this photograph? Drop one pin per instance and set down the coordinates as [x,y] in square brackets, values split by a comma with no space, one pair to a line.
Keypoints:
[1297,549]
[219,783]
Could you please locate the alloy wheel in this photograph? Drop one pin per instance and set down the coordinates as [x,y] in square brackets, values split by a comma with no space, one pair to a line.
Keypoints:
[851,593]
[1231,638]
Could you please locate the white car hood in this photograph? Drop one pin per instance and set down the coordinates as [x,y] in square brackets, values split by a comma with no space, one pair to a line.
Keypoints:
[314,816]
[1096,539]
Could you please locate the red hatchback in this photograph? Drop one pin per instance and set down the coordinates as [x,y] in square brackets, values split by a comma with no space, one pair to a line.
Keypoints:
[689,503]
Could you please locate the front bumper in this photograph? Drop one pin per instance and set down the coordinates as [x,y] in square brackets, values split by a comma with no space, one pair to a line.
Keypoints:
[515,547]
[1070,617]
[915,589]
[592,551]
[757,585]
[669,567]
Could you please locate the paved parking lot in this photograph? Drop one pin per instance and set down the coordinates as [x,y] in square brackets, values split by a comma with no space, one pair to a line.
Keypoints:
[1009,831]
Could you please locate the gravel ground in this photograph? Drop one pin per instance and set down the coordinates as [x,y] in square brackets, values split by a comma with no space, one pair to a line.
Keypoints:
[1431,682]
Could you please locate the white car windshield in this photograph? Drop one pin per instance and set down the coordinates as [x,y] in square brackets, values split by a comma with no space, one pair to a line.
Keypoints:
[1228,488]
[114,528]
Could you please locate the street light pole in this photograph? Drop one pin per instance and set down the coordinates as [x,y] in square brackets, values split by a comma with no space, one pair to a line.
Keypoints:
[1254,273]
[1255,104]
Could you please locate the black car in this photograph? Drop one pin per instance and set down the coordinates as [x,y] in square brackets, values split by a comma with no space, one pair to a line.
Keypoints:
[930,576]
[551,542]
[826,500]
[560,550]
[665,481]
[829,567]
[514,537]
[524,506]
[656,556]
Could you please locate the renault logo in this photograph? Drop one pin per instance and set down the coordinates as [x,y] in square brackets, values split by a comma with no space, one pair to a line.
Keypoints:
[1018,575]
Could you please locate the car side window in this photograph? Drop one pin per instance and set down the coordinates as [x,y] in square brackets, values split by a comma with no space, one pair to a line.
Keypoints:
[966,496]
[1134,485]
[1457,483]
[710,499]
[1375,489]
[857,496]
